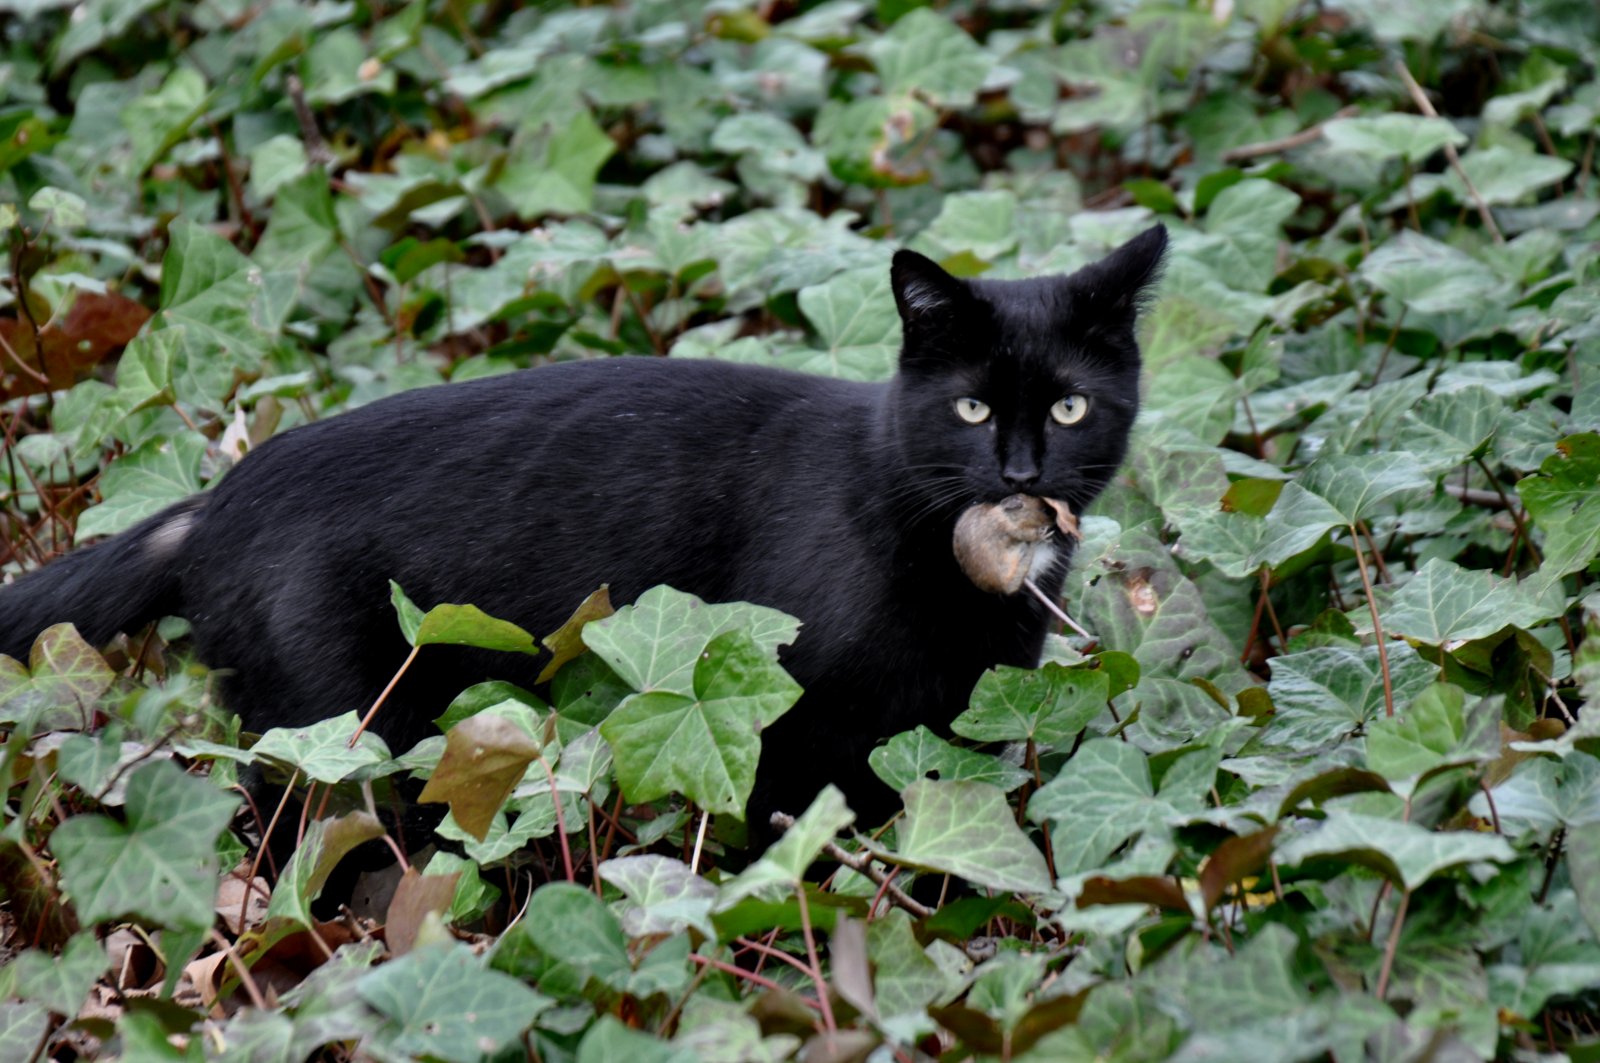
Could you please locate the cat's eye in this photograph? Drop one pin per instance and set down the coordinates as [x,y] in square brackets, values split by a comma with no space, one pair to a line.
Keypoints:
[1070,410]
[972,411]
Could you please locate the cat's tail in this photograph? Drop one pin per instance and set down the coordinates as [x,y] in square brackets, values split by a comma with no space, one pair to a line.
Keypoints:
[118,585]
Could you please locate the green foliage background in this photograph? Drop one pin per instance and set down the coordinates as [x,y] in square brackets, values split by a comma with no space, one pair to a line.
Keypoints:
[1323,786]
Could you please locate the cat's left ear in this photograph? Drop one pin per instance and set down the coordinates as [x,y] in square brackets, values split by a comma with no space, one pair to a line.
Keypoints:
[1117,286]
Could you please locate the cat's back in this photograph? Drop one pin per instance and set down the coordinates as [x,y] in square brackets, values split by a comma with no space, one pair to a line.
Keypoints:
[618,397]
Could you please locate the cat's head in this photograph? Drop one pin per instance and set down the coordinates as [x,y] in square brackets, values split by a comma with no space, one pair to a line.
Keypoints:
[1024,386]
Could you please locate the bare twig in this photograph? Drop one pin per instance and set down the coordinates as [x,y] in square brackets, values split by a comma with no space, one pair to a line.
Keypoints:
[862,864]
[1476,496]
[1425,105]
[699,843]
[1390,945]
[561,820]
[376,705]
[1059,613]
[816,964]
[1377,625]
[317,150]
[1283,144]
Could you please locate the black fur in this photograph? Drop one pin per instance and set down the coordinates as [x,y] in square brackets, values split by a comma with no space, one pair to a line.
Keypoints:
[832,501]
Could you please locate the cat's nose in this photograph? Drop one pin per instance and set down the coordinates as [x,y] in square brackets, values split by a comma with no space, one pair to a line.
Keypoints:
[1020,475]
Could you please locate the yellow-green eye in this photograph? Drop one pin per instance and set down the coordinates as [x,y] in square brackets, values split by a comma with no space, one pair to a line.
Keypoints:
[1071,409]
[972,411]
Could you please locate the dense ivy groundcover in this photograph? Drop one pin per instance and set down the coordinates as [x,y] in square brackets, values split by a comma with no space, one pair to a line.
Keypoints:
[1322,785]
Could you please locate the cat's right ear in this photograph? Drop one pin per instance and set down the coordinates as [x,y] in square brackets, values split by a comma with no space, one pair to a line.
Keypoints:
[923,291]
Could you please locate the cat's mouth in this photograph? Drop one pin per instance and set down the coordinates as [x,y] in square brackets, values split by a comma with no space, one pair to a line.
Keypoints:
[1003,544]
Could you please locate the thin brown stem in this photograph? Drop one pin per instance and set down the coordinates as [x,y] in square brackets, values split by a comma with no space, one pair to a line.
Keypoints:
[1377,625]
[1390,945]
[1426,107]
[816,964]
[561,821]
[376,705]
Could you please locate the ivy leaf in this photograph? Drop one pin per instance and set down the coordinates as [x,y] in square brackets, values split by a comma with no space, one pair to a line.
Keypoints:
[64,680]
[1452,427]
[321,751]
[981,223]
[1545,794]
[443,1002]
[1048,705]
[1323,694]
[967,829]
[60,983]
[655,644]
[783,866]
[327,841]
[1430,277]
[926,53]
[566,642]
[1354,484]
[855,317]
[1107,796]
[664,896]
[554,173]
[1504,175]
[573,926]
[918,753]
[1444,602]
[160,119]
[1392,136]
[160,863]
[704,744]
[1564,500]
[1431,732]
[1404,853]
[145,481]
[217,296]
[485,756]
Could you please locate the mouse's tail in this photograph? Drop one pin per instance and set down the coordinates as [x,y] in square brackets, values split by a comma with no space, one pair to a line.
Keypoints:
[117,585]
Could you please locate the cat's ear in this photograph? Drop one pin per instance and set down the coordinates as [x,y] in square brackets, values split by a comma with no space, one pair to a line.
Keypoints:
[923,291]
[1117,287]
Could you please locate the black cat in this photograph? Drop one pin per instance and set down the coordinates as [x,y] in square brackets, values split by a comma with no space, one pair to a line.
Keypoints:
[829,500]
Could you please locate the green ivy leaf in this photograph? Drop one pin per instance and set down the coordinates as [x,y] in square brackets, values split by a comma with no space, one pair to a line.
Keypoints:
[855,317]
[655,644]
[967,829]
[443,1002]
[1049,705]
[1404,853]
[1431,277]
[664,896]
[918,753]
[704,744]
[159,120]
[1392,136]
[1106,796]
[926,53]
[1324,694]
[60,983]
[554,173]
[321,751]
[1443,602]
[160,863]
[1355,484]
[145,481]
[1504,175]
[1564,500]
[783,866]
